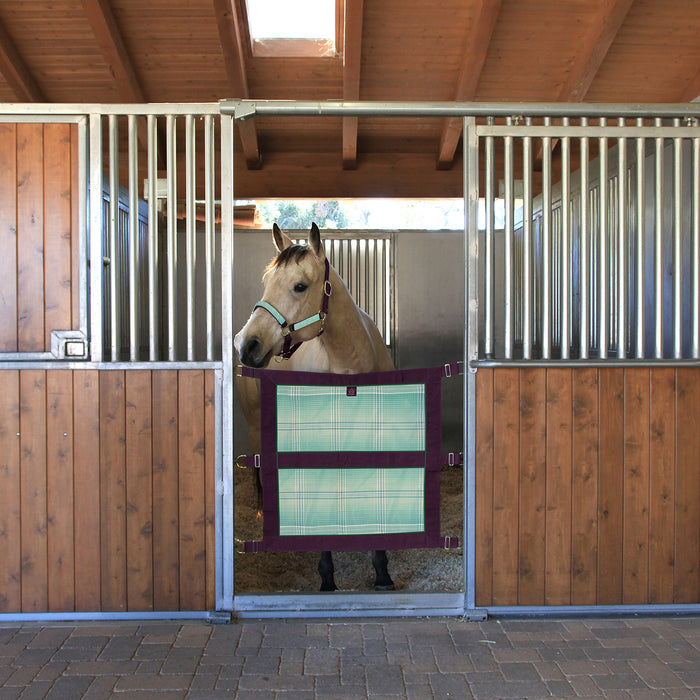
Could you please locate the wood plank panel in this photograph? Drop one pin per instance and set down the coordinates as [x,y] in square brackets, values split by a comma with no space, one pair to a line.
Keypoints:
[611,487]
[191,489]
[59,490]
[484,486]
[112,491]
[86,460]
[662,491]
[559,470]
[687,573]
[636,518]
[30,233]
[8,238]
[210,486]
[166,563]
[506,448]
[10,523]
[533,479]
[57,228]
[139,512]
[33,490]
[585,488]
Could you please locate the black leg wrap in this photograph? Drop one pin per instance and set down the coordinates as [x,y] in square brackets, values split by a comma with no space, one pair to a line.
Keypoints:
[383,581]
[326,571]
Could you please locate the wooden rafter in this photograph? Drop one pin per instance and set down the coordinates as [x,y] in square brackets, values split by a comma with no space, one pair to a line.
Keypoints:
[104,26]
[15,72]
[352,60]
[228,20]
[473,59]
[692,92]
[595,47]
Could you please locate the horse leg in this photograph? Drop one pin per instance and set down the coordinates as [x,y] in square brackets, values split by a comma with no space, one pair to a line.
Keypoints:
[326,570]
[383,581]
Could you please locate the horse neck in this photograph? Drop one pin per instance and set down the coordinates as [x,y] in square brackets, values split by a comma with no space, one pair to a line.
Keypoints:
[346,339]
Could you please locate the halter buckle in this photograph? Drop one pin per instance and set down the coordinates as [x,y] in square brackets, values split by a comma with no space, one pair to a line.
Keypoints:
[285,330]
[327,288]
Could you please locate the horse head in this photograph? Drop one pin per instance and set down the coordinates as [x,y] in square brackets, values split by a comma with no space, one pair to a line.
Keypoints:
[294,301]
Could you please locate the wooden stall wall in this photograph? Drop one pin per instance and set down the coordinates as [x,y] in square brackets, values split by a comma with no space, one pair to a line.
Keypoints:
[587,486]
[39,263]
[106,490]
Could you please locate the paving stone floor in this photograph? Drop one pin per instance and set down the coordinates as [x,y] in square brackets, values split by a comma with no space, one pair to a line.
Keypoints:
[655,657]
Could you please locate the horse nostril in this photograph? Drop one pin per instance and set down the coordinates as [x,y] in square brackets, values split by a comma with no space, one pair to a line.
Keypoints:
[251,351]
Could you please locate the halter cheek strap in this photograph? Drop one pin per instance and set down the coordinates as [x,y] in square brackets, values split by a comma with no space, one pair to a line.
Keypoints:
[288,328]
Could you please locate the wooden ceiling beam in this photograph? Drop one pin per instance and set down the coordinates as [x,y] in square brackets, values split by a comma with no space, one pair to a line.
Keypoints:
[229,23]
[473,59]
[352,63]
[15,71]
[104,26]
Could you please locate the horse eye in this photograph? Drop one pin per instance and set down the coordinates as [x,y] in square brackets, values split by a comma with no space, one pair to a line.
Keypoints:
[300,287]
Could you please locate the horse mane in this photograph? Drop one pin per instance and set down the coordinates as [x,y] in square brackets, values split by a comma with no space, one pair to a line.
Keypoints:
[293,253]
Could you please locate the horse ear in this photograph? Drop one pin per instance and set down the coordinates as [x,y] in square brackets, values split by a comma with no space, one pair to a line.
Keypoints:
[280,239]
[315,242]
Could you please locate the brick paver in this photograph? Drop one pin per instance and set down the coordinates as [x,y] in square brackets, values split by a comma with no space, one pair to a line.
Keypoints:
[656,657]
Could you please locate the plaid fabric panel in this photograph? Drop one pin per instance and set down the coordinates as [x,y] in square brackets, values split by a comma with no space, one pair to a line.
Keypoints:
[359,501]
[384,418]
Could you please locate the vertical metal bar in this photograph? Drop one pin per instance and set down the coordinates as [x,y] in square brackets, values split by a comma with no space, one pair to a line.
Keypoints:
[508,244]
[547,244]
[191,242]
[489,197]
[584,284]
[659,246]
[112,235]
[603,262]
[153,350]
[133,240]
[83,173]
[677,245]
[640,276]
[695,253]
[171,236]
[96,250]
[527,246]
[566,290]
[209,229]
[228,358]
[622,248]
[471,345]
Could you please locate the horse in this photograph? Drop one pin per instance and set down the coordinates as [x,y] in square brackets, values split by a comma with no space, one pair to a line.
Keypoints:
[308,321]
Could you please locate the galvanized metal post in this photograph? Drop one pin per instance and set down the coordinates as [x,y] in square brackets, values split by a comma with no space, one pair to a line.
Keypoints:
[96,252]
[153,349]
[133,240]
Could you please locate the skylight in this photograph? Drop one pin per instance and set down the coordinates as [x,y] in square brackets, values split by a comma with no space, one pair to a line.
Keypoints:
[292,27]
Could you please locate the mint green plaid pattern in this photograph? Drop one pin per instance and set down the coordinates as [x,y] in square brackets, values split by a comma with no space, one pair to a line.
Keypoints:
[358,501]
[384,418]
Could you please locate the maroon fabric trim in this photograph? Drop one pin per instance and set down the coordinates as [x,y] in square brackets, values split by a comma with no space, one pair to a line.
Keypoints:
[349,460]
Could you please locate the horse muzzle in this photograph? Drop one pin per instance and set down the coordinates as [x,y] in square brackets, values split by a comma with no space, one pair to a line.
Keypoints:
[252,353]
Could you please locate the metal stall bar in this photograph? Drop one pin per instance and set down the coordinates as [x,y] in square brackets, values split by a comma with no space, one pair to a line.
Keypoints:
[640,276]
[133,240]
[96,253]
[191,243]
[488,247]
[471,348]
[622,245]
[171,237]
[584,247]
[677,294]
[546,310]
[112,233]
[509,225]
[659,246]
[209,229]
[527,293]
[566,287]
[695,253]
[224,487]
[603,261]
[153,350]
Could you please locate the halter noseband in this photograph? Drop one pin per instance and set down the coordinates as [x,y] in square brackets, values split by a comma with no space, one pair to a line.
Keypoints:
[288,328]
